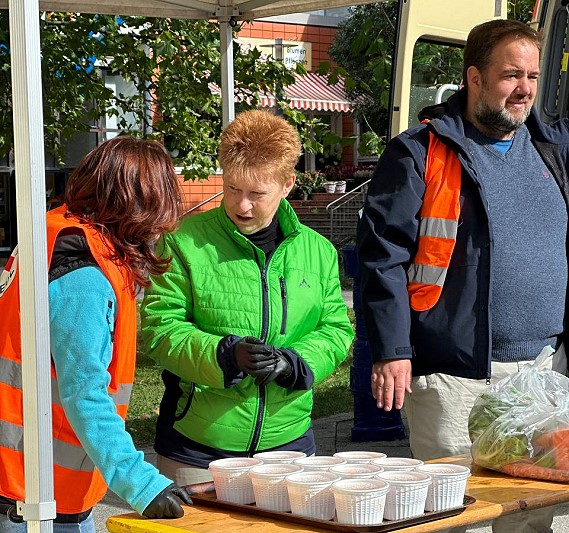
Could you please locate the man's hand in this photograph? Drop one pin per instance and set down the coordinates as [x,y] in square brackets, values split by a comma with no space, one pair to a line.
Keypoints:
[166,504]
[252,357]
[389,381]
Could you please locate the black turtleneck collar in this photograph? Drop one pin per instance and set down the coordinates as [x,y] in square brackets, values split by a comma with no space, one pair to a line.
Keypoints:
[267,239]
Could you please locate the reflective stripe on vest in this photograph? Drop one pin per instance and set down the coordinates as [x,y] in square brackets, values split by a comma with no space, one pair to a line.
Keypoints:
[69,456]
[11,374]
[437,227]
[78,485]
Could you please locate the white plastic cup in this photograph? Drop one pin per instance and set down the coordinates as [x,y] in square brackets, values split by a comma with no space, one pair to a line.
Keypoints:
[407,493]
[397,463]
[310,495]
[269,485]
[355,470]
[448,486]
[275,457]
[231,479]
[360,502]
[360,456]
[319,463]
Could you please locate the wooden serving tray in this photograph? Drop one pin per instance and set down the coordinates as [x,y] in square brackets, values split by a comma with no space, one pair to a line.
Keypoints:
[209,499]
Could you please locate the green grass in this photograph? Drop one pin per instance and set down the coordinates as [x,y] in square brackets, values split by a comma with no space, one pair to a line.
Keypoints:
[146,396]
[332,396]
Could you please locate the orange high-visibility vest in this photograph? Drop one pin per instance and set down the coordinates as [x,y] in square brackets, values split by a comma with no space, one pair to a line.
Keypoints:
[78,485]
[437,227]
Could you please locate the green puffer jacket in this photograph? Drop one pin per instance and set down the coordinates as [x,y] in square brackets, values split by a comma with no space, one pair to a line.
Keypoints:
[219,285]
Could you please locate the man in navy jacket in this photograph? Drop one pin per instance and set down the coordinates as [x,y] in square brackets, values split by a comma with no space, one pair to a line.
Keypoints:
[503,297]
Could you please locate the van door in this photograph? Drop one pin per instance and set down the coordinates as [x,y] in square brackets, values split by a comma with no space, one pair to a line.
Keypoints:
[430,29]
[552,100]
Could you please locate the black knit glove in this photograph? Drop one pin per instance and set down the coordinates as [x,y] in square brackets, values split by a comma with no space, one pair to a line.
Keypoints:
[251,356]
[280,368]
[166,504]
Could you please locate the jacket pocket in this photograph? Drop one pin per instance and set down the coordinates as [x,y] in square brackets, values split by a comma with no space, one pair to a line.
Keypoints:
[284,305]
[182,411]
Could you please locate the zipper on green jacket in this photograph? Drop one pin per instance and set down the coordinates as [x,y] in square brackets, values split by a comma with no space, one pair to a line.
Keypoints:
[263,337]
[265,304]
[259,421]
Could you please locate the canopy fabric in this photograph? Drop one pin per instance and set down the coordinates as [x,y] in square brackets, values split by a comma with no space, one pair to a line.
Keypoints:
[311,92]
[194,9]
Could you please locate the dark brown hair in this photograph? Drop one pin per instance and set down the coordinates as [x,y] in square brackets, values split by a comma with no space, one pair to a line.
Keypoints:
[483,38]
[127,188]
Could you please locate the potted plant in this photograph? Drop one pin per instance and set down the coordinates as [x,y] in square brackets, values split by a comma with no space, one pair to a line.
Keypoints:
[329,186]
[363,173]
[307,182]
[333,174]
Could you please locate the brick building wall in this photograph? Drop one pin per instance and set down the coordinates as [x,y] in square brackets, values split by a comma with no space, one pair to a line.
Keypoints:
[195,192]
[320,37]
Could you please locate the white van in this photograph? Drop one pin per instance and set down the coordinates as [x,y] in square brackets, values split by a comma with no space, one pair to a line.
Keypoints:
[552,18]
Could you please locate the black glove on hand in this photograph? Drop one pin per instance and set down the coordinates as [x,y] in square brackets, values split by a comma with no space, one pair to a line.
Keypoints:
[282,368]
[167,503]
[252,357]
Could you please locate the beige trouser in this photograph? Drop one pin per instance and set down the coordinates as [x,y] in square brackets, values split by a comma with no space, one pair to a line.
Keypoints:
[437,411]
[181,473]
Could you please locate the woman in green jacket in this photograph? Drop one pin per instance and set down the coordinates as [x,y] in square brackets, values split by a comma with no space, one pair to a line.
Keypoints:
[250,315]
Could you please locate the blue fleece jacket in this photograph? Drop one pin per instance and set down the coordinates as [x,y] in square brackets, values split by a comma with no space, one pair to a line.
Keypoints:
[82,315]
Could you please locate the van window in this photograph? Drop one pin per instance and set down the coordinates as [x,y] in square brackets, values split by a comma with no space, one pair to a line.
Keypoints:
[434,65]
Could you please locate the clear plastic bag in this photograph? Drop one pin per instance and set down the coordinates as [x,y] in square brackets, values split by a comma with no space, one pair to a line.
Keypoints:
[520,425]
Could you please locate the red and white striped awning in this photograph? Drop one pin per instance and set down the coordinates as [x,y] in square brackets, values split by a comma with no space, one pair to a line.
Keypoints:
[309,92]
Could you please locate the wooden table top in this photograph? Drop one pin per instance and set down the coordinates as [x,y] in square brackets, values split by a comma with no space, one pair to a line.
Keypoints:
[496,495]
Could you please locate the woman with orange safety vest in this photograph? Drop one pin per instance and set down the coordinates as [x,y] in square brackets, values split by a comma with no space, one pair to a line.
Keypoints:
[123,195]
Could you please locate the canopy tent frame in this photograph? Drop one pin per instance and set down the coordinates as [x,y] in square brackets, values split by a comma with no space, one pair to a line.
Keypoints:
[39,506]
[192,9]
[32,258]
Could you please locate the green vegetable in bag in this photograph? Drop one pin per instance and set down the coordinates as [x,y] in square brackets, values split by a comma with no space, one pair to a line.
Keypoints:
[489,406]
[501,442]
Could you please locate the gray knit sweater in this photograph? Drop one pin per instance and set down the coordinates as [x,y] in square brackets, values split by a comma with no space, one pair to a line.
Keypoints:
[528,221]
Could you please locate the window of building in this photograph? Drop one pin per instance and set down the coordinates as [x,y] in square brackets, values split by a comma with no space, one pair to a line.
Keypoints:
[106,127]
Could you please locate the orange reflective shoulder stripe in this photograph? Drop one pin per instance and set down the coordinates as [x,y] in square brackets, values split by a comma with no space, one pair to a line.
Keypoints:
[438,226]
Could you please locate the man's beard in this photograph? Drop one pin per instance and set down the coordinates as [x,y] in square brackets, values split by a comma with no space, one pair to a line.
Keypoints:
[498,119]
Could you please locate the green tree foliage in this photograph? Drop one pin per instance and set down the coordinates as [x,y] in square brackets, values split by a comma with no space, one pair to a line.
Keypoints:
[6,123]
[363,49]
[520,9]
[172,63]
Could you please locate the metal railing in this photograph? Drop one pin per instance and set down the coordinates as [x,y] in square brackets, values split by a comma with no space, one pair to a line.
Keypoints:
[197,206]
[344,214]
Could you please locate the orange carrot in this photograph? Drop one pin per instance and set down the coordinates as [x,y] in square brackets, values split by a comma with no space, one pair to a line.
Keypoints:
[533,471]
[557,443]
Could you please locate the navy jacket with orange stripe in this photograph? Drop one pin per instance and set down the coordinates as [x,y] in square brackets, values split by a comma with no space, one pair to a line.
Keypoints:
[454,337]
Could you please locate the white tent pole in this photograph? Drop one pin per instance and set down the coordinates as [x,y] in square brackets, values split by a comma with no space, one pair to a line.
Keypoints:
[227,77]
[39,507]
